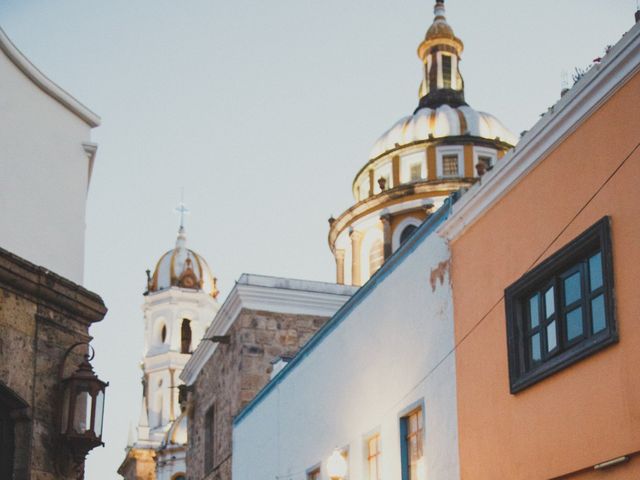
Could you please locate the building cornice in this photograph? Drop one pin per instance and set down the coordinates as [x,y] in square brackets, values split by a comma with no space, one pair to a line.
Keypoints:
[404,192]
[271,294]
[587,95]
[45,287]
[44,83]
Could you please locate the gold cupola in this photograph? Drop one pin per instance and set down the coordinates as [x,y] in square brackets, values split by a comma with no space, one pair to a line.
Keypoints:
[440,52]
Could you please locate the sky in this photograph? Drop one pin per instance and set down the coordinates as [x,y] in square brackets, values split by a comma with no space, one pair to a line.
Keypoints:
[263,111]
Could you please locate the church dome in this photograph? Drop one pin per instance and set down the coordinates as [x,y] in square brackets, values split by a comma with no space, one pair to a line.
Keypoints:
[177,433]
[443,121]
[183,268]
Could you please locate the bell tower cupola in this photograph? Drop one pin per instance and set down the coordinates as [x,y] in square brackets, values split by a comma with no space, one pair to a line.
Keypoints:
[440,52]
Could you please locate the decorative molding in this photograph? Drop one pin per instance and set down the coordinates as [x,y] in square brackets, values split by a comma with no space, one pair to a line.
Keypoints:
[44,83]
[562,119]
[43,286]
[272,294]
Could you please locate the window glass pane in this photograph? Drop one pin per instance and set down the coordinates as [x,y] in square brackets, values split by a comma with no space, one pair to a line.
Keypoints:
[598,317]
[535,348]
[415,172]
[574,323]
[99,411]
[446,71]
[572,289]
[549,303]
[552,341]
[534,311]
[450,165]
[595,271]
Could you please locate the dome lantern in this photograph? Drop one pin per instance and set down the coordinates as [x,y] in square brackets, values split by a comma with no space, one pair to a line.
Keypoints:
[440,53]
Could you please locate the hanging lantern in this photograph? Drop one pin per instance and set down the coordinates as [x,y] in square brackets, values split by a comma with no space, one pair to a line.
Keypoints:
[82,410]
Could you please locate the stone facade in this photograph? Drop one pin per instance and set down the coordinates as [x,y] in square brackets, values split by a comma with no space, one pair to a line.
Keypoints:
[42,315]
[233,376]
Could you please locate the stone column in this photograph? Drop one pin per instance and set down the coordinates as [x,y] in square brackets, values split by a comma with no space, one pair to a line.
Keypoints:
[386,235]
[339,266]
[356,243]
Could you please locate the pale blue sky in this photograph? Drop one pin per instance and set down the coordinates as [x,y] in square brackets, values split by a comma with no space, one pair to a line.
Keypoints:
[263,111]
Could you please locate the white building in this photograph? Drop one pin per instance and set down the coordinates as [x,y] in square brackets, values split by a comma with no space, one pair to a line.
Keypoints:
[46,162]
[179,304]
[377,381]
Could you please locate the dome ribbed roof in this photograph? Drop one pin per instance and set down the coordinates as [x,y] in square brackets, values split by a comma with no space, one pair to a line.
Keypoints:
[177,433]
[184,268]
[444,121]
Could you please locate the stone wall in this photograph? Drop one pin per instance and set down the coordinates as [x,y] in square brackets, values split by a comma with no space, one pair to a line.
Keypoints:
[234,375]
[41,316]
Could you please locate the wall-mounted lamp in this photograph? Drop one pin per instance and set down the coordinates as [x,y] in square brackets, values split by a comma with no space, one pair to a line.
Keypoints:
[82,409]
[337,465]
[226,339]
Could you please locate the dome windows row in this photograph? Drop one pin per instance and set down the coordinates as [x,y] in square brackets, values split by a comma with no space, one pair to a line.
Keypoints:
[433,163]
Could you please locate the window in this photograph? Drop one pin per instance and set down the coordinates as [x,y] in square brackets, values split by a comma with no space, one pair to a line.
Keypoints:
[450,166]
[415,172]
[376,256]
[314,474]
[412,431]
[185,336]
[446,71]
[562,310]
[373,457]
[163,333]
[407,232]
[209,431]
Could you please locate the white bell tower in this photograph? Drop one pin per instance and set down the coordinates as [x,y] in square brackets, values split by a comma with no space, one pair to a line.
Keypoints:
[179,304]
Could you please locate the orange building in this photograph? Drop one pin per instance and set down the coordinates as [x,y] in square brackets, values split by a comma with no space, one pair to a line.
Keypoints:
[546,263]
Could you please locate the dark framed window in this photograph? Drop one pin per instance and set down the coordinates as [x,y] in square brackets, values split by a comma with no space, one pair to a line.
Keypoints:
[562,310]
[412,444]
[209,431]
[407,233]
[446,71]
[185,336]
[450,166]
[314,474]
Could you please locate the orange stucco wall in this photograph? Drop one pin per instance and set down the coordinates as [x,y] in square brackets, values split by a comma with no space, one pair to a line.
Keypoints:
[589,412]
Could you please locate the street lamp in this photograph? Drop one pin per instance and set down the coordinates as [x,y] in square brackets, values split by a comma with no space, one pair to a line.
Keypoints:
[82,410]
[337,465]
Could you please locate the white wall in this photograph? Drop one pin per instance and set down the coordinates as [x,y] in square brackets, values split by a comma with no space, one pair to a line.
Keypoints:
[361,378]
[44,174]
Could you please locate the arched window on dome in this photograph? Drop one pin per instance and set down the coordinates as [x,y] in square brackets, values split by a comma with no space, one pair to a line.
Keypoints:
[185,336]
[406,234]
[376,256]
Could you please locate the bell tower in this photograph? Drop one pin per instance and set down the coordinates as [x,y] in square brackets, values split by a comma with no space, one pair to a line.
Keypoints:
[179,303]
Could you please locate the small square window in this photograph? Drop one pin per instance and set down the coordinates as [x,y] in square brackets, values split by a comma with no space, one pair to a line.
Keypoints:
[450,166]
[562,310]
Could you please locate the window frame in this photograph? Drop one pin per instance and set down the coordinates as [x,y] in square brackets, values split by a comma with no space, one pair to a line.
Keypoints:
[419,434]
[550,274]
[375,458]
[447,150]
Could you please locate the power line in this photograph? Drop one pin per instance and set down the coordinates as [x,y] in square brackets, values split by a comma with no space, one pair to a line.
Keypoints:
[499,300]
